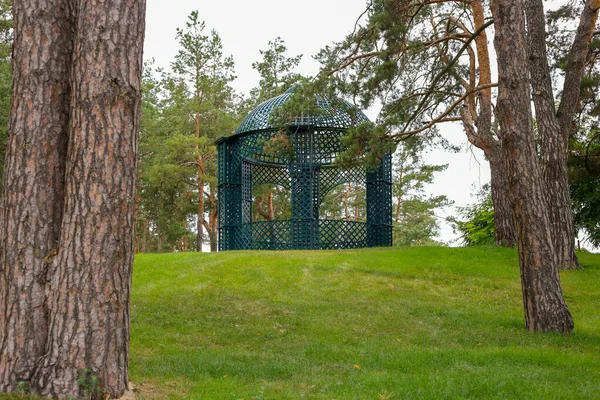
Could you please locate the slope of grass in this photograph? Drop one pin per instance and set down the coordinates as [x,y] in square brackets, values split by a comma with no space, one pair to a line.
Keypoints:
[364,324]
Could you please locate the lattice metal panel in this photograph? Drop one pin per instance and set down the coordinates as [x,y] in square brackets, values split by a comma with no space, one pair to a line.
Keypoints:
[246,192]
[338,234]
[230,197]
[272,235]
[327,145]
[304,186]
[269,174]
[306,169]
[379,204]
[332,177]
[331,115]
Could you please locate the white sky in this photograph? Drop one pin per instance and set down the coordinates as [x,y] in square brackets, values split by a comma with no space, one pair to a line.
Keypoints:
[247,26]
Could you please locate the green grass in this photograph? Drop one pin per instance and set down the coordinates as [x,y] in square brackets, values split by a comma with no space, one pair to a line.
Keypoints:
[395,323]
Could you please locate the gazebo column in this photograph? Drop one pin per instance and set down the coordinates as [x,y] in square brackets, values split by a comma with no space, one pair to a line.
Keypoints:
[305,207]
[245,228]
[230,194]
[379,204]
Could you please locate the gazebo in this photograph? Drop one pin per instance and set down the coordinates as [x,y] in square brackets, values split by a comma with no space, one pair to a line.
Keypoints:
[306,168]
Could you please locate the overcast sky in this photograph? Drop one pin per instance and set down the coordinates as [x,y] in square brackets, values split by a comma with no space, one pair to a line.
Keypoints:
[245,27]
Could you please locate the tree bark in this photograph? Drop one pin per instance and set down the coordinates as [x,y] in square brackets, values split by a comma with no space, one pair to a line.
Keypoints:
[91,277]
[200,216]
[31,203]
[478,127]
[213,241]
[145,236]
[554,136]
[200,168]
[268,215]
[213,219]
[544,304]
[504,219]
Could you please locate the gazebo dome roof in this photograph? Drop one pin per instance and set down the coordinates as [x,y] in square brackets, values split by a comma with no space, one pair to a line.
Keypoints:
[331,116]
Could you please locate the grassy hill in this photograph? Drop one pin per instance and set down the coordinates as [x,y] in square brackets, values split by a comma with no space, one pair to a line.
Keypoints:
[365,324]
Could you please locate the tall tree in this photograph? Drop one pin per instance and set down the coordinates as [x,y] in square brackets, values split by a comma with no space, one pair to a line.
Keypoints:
[167,168]
[32,197]
[66,277]
[276,72]
[409,54]
[429,64]
[208,74]
[545,307]
[584,143]
[556,125]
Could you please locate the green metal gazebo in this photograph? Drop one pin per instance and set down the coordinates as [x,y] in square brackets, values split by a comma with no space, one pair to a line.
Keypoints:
[307,170]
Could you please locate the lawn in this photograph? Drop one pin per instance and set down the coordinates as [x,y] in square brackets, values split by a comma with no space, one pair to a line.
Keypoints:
[363,324]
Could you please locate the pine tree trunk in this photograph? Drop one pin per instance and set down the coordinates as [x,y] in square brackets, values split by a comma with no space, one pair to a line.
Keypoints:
[213,219]
[545,307]
[31,203]
[504,219]
[553,143]
[200,167]
[145,237]
[89,302]
[556,179]
[200,216]
[213,241]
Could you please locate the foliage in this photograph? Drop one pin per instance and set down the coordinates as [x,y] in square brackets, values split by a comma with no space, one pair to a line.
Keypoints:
[184,111]
[347,201]
[418,224]
[89,384]
[420,322]
[165,179]
[584,143]
[584,174]
[415,222]
[476,228]
[407,57]
[276,72]
[6,39]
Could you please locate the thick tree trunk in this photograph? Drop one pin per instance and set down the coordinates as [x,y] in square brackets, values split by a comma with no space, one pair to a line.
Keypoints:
[556,179]
[504,219]
[553,142]
[31,203]
[545,307]
[89,301]
[213,241]
[483,138]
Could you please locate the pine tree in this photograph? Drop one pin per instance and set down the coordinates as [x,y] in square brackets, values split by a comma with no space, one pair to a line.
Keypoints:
[207,75]
[545,307]
[65,276]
